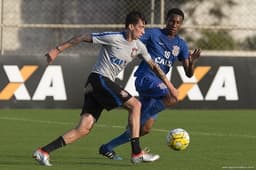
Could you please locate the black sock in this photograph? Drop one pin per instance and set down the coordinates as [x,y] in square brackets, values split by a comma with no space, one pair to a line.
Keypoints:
[57,143]
[135,146]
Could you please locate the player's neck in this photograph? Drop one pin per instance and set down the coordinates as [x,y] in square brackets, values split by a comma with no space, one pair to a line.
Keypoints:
[169,35]
[128,36]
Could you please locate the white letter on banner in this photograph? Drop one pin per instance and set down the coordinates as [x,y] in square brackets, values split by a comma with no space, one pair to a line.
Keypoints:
[14,76]
[224,84]
[194,93]
[51,84]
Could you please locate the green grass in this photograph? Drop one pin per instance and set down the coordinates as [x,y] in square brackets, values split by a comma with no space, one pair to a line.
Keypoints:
[220,139]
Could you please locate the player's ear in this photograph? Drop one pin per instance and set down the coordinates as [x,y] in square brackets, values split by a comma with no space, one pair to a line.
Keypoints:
[131,26]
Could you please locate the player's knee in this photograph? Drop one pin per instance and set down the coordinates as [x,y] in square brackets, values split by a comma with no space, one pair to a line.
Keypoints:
[85,125]
[83,131]
[136,105]
[144,131]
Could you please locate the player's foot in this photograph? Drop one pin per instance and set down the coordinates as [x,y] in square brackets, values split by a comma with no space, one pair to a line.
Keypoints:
[144,156]
[42,157]
[137,158]
[109,153]
[149,157]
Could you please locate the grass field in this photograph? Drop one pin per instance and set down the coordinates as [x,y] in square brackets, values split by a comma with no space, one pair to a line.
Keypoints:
[220,139]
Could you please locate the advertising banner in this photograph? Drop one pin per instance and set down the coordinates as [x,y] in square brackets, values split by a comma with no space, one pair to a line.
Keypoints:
[218,82]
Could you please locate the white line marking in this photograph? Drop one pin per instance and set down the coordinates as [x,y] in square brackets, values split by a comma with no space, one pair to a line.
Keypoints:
[123,127]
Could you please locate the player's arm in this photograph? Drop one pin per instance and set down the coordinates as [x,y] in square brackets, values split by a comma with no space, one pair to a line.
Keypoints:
[155,67]
[189,64]
[53,53]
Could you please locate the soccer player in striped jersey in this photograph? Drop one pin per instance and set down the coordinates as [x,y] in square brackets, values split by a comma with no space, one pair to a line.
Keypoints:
[101,92]
[165,47]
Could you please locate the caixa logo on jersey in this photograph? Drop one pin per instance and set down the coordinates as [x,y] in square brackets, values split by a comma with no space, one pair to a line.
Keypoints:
[223,84]
[51,83]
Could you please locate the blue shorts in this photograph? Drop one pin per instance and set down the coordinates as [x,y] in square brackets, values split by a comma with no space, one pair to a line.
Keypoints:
[150,87]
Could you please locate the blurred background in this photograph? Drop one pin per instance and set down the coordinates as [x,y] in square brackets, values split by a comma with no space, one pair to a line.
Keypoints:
[32,26]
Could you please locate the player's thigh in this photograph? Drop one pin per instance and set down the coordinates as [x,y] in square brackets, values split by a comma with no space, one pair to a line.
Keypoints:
[91,106]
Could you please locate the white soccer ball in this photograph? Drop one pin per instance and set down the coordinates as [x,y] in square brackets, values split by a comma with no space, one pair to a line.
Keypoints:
[178,139]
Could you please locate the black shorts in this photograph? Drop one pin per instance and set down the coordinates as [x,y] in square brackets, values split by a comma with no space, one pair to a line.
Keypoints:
[102,93]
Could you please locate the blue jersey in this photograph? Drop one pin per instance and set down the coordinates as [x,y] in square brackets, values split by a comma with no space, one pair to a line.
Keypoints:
[163,50]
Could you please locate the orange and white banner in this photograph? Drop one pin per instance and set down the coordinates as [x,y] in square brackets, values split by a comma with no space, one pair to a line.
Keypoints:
[218,82]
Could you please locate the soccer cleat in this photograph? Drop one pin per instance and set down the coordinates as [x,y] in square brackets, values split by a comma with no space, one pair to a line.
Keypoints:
[109,154]
[144,156]
[42,157]
[137,158]
[149,157]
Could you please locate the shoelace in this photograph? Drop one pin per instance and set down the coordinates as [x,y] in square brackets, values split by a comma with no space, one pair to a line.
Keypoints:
[146,149]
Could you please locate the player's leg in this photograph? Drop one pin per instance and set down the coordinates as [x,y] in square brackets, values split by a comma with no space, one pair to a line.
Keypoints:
[145,129]
[133,106]
[147,86]
[107,149]
[152,91]
[116,96]
[82,129]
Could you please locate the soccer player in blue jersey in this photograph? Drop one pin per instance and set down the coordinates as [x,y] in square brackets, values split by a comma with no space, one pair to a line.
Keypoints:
[165,47]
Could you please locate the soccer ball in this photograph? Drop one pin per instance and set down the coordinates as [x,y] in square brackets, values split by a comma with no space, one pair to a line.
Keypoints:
[178,139]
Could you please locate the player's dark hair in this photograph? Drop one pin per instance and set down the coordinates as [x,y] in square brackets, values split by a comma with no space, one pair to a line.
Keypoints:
[175,11]
[133,18]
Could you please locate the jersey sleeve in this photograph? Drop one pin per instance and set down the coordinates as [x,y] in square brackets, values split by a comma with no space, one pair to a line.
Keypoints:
[184,51]
[104,38]
[143,51]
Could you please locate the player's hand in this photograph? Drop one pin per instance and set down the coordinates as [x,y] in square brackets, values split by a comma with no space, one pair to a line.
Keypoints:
[173,91]
[173,96]
[193,56]
[51,55]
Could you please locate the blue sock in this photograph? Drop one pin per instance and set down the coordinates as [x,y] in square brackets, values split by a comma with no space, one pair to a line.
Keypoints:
[122,139]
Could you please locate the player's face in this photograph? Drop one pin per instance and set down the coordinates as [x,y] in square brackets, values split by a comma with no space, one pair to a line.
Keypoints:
[138,30]
[173,24]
